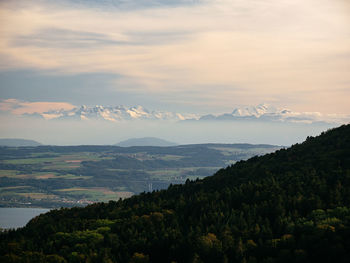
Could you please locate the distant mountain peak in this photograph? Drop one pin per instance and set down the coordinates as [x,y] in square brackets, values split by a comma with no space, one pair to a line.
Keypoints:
[15,142]
[255,111]
[145,141]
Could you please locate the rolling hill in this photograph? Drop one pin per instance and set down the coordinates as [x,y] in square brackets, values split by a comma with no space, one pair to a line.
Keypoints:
[56,176]
[289,206]
[146,141]
[18,142]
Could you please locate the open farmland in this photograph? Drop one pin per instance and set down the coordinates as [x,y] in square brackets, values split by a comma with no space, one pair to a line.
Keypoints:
[55,176]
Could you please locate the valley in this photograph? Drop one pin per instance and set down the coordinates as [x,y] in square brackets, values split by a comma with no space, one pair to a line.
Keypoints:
[66,176]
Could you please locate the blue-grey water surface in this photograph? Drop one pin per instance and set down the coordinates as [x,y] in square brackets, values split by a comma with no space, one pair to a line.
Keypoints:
[18,217]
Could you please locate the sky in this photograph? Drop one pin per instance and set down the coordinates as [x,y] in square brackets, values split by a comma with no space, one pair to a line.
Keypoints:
[184,56]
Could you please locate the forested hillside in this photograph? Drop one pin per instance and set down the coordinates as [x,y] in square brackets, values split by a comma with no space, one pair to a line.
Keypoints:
[289,206]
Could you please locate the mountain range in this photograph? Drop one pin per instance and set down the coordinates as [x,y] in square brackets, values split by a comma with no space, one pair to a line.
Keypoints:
[114,114]
[266,112]
[261,112]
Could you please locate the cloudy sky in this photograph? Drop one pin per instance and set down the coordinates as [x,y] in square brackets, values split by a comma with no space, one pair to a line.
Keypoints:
[186,56]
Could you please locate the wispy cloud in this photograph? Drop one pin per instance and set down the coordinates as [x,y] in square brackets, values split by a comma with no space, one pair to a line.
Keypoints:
[273,50]
[63,38]
[68,39]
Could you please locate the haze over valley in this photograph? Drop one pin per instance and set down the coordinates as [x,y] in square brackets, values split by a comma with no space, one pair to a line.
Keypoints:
[103,125]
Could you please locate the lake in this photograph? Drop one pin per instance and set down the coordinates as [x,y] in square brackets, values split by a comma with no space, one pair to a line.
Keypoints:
[18,217]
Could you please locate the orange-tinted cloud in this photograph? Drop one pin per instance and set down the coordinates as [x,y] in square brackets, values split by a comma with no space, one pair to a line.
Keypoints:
[18,107]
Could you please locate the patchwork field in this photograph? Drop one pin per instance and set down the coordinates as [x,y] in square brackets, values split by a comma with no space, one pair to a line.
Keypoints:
[53,176]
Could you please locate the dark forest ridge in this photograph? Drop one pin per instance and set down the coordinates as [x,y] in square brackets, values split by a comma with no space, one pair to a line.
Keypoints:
[289,206]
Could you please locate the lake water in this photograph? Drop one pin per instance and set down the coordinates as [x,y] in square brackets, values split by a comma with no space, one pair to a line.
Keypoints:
[18,217]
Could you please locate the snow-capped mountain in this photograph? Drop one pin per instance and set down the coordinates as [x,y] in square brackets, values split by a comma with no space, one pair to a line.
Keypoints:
[115,114]
[256,111]
[261,112]
[266,112]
